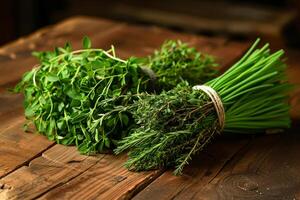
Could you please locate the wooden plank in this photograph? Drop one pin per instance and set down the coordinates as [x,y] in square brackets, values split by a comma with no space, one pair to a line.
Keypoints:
[268,170]
[293,76]
[16,147]
[101,177]
[56,166]
[10,108]
[203,168]
[108,179]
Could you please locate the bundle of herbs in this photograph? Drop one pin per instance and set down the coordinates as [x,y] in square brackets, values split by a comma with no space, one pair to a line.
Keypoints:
[83,97]
[250,97]
[175,62]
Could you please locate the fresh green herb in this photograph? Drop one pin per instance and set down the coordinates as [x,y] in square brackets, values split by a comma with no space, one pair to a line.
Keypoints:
[176,62]
[179,123]
[83,97]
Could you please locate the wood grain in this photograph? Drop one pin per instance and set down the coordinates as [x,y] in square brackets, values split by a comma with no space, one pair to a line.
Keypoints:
[56,166]
[108,179]
[16,147]
[201,171]
[269,169]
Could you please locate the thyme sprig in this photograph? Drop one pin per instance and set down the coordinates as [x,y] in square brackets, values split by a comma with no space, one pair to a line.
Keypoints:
[178,123]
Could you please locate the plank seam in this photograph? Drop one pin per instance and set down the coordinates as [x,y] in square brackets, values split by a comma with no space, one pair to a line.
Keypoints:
[27,162]
[242,150]
[67,181]
[140,187]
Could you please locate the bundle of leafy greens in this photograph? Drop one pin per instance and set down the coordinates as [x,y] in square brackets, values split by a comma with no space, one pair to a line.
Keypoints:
[83,97]
[176,62]
[179,123]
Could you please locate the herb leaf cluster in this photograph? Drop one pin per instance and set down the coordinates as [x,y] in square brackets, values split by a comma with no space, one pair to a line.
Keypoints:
[82,97]
[175,62]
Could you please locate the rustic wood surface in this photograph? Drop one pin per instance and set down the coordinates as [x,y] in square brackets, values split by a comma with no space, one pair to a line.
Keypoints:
[233,167]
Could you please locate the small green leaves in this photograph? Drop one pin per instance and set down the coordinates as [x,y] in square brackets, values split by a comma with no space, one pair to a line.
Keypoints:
[68,47]
[27,76]
[52,77]
[76,97]
[175,62]
[73,93]
[86,42]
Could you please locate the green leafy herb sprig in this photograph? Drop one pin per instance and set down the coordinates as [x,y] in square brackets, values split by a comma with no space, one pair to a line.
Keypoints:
[81,97]
[181,122]
[84,97]
[175,62]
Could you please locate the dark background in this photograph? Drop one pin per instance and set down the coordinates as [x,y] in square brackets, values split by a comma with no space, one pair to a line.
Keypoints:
[274,20]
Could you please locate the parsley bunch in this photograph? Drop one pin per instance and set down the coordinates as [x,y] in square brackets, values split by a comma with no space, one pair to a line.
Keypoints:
[85,97]
[178,123]
[82,97]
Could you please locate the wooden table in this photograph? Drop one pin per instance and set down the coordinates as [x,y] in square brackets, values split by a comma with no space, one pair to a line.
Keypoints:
[233,167]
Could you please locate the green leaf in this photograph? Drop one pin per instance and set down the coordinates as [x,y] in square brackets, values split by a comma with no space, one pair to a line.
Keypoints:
[117,92]
[27,76]
[73,93]
[52,77]
[68,47]
[125,119]
[84,147]
[97,136]
[101,146]
[86,43]
[60,107]
[106,142]
[67,140]
[79,117]
[111,122]
[30,110]
[80,137]
[61,124]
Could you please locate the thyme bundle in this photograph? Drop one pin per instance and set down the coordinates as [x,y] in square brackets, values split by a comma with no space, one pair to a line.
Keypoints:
[83,97]
[181,122]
